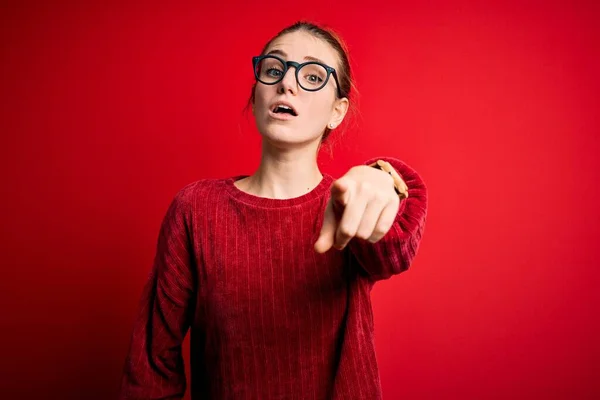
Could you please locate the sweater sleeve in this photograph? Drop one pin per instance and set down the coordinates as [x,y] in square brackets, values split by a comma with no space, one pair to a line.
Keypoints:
[395,252]
[154,367]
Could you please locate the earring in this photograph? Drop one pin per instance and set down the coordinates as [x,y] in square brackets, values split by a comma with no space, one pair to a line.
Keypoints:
[330,126]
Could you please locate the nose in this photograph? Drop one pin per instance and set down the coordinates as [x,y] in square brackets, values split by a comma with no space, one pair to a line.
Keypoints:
[289,83]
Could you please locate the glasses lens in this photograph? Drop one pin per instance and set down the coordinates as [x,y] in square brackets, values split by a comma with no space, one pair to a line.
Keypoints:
[312,76]
[269,70]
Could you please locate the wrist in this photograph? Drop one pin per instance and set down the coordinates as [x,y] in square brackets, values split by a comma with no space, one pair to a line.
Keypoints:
[399,185]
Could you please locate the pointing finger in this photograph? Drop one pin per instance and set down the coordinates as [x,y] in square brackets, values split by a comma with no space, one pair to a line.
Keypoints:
[327,234]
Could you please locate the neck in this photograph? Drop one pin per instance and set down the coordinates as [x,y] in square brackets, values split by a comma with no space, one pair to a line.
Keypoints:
[283,173]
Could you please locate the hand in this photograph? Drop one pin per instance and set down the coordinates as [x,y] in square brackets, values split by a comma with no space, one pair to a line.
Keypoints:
[363,204]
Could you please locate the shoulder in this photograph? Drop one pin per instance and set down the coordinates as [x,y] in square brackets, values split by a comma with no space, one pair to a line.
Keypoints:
[196,188]
[188,197]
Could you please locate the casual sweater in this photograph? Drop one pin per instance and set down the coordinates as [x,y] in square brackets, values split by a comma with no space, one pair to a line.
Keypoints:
[269,317]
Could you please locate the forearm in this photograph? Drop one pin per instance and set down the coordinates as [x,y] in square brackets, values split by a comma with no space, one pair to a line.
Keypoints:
[395,252]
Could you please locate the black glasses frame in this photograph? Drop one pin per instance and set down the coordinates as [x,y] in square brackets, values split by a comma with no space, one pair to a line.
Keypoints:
[286,67]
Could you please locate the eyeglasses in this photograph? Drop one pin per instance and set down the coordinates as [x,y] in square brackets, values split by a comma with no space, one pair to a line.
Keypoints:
[311,76]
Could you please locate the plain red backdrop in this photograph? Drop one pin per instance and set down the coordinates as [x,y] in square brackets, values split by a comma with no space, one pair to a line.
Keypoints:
[107,110]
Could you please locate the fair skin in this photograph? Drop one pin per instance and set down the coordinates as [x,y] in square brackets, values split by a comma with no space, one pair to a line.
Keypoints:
[363,202]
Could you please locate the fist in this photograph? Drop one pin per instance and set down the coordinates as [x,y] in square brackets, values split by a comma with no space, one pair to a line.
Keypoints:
[363,204]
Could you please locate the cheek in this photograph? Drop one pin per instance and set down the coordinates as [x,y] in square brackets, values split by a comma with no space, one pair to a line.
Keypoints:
[261,93]
[320,108]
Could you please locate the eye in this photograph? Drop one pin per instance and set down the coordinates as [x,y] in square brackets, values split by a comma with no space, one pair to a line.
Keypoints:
[274,72]
[313,75]
[314,79]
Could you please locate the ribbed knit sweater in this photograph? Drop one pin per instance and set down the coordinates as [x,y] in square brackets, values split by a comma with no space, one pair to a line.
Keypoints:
[269,317]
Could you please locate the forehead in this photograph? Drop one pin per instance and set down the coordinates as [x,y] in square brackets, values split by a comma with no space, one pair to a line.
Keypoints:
[298,45]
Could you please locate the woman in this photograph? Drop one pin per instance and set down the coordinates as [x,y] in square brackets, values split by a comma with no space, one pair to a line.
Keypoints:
[272,272]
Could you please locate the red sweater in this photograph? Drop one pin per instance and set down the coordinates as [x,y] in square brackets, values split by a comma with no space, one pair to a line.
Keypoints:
[269,317]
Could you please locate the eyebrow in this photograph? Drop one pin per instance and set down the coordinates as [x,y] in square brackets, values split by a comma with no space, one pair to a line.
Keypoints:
[307,58]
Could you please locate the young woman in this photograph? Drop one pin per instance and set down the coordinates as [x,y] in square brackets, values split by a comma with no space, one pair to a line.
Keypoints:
[272,272]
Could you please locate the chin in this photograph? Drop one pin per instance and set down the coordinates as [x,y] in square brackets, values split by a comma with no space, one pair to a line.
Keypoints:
[281,134]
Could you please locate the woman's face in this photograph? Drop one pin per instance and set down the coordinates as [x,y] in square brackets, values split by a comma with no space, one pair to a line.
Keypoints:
[313,110]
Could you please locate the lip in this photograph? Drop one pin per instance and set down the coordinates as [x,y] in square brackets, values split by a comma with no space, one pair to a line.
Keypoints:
[281,116]
[283,103]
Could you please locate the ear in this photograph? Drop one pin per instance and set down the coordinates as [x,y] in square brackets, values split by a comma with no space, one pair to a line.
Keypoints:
[340,108]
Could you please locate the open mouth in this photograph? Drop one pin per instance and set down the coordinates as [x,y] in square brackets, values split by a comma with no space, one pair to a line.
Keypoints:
[284,109]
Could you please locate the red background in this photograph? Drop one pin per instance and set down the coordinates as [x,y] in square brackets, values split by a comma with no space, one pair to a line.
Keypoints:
[108,110]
